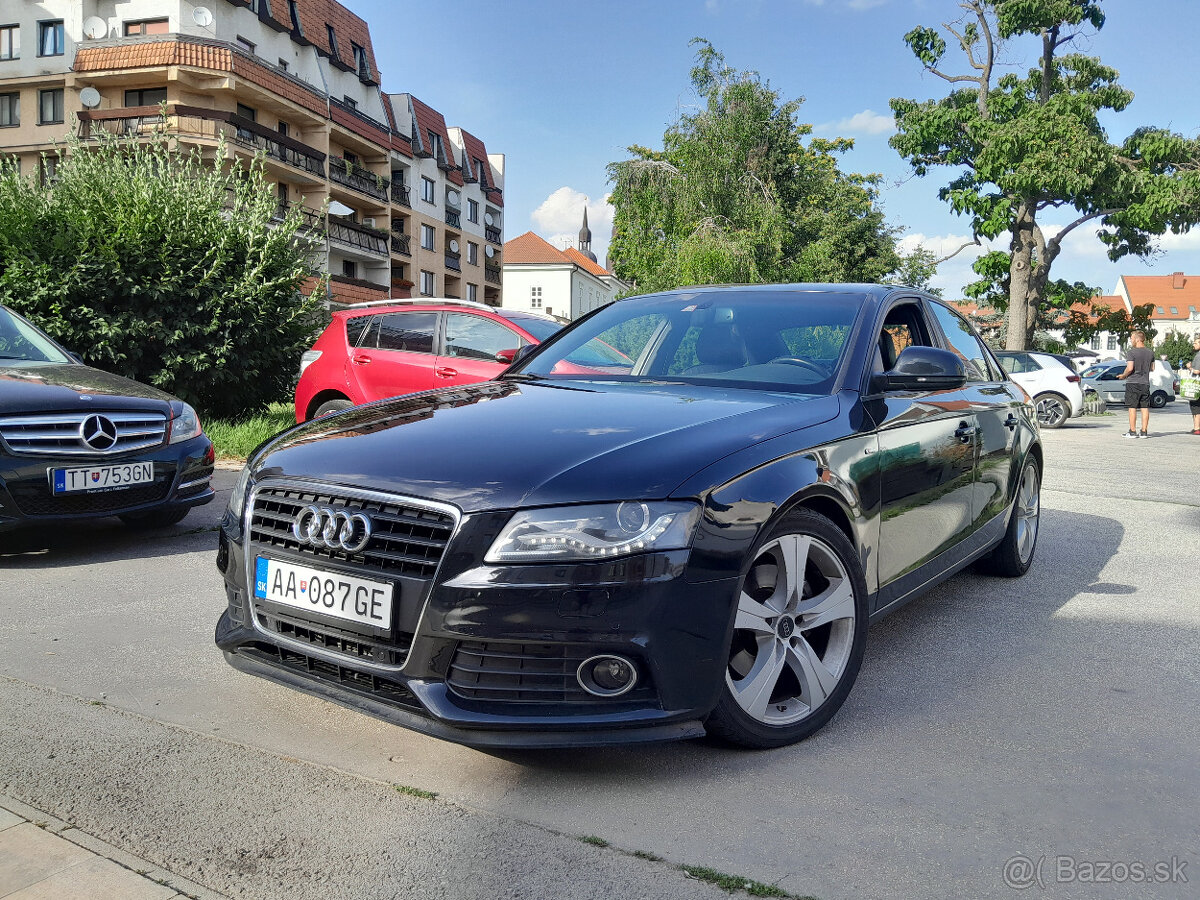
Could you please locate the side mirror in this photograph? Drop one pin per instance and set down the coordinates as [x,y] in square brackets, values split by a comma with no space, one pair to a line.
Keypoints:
[507,356]
[925,369]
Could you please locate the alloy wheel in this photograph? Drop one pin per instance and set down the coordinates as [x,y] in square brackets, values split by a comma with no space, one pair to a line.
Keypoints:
[1051,412]
[794,631]
[1028,513]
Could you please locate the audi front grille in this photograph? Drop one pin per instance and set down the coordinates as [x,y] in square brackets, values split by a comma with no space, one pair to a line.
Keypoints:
[67,434]
[407,537]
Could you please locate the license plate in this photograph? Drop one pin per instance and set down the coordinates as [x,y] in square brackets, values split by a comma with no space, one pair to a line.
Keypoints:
[102,478]
[328,593]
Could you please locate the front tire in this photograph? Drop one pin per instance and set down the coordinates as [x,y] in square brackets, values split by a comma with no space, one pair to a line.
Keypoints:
[798,635]
[1013,556]
[1052,410]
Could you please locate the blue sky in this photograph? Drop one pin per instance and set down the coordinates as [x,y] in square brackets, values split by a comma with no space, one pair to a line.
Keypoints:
[563,88]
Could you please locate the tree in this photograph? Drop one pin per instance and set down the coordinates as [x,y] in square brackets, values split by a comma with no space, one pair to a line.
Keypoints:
[1175,346]
[1025,145]
[738,195]
[152,263]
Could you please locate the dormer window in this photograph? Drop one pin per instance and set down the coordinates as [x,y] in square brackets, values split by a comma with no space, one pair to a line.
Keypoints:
[360,62]
[350,102]
[333,47]
[295,12]
[435,146]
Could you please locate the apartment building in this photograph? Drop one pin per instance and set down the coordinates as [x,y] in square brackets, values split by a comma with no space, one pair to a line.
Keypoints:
[415,206]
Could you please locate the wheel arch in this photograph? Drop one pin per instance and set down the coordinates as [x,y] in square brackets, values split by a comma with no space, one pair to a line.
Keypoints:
[323,397]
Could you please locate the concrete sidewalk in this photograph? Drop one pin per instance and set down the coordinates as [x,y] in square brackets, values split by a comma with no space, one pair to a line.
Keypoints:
[42,858]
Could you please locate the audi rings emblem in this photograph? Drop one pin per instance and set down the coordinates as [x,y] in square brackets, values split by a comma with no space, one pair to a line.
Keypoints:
[334,529]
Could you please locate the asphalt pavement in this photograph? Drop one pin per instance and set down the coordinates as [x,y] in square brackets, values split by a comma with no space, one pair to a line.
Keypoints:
[1041,730]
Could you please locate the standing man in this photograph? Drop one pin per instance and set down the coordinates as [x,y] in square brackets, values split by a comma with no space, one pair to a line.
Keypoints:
[1137,384]
[1194,368]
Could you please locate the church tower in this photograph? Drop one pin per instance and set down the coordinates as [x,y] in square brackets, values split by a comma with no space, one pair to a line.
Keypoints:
[585,239]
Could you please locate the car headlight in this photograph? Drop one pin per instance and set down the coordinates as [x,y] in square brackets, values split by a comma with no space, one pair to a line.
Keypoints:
[185,426]
[237,497]
[590,533]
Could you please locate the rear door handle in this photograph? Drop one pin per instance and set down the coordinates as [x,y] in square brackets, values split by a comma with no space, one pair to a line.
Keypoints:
[1011,421]
[445,372]
[964,432]
[360,360]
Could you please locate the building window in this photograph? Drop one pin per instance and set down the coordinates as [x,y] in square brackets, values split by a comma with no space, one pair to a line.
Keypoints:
[49,170]
[1112,342]
[50,107]
[10,110]
[349,268]
[295,13]
[472,253]
[246,45]
[282,128]
[283,64]
[146,97]
[147,26]
[1174,311]
[333,48]
[428,190]
[428,237]
[472,210]
[10,41]
[481,171]
[535,298]
[435,146]
[473,293]
[50,39]
[247,112]
[350,102]
[360,61]
[426,284]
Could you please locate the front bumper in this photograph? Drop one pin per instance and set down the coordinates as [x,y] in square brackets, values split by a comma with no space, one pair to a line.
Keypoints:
[183,474]
[492,654]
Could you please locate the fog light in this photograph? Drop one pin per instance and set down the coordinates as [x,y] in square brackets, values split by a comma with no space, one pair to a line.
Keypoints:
[606,676]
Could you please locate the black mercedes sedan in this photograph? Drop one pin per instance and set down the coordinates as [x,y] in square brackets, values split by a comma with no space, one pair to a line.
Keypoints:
[689,535]
[77,442]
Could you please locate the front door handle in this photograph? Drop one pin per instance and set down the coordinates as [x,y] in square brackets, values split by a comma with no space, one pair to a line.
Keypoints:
[360,360]
[1011,421]
[964,432]
[445,372]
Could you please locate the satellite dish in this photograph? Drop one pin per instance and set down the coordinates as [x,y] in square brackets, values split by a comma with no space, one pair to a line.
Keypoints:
[202,16]
[490,251]
[487,219]
[95,28]
[452,196]
[89,97]
[454,246]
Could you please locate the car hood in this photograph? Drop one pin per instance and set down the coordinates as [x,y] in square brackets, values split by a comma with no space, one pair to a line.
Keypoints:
[502,444]
[57,388]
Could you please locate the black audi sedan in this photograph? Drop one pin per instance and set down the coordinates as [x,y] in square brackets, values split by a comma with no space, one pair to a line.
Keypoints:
[690,535]
[77,442]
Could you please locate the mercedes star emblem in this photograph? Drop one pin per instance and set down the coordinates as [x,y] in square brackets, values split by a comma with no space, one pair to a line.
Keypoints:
[98,433]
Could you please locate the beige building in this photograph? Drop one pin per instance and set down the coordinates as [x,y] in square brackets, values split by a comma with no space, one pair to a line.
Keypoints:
[416,207]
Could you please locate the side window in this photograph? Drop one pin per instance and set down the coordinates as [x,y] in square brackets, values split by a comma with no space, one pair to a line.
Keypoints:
[409,331]
[903,327]
[474,337]
[356,328]
[962,341]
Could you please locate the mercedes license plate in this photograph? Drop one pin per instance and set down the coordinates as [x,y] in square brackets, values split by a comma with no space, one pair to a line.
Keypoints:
[101,478]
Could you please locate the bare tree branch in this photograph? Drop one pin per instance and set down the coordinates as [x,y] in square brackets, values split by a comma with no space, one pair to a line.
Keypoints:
[975,243]
[1056,241]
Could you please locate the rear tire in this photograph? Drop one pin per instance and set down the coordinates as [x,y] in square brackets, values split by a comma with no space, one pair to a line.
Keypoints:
[1158,399]
[157,518]
[1013,556]
[1052,409]
[331,406]
[799,632]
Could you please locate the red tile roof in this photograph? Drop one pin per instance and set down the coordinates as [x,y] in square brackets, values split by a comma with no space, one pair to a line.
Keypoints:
[584,263]
[476,156]
[530,249]
[1176,291]
[152,55]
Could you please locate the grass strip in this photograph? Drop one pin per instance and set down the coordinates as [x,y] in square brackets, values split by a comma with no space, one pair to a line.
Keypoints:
[415,792]
[735,883]
[237,438]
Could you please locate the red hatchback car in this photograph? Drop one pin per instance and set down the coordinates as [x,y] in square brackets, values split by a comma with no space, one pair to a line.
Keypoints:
[383,351]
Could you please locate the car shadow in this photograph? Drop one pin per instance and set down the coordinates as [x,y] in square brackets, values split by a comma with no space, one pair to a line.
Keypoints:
[936,654]
[100,541]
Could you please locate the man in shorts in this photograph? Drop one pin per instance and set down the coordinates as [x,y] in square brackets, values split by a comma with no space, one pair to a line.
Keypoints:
[1137,384]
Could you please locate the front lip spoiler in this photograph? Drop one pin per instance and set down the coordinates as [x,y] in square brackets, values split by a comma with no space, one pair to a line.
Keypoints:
[489,739]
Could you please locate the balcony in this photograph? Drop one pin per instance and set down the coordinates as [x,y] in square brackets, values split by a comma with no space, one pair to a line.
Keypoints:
[453,218]
[351,234]
[491,274]
[454,262]
[205,124]
[400,244]
[492,234]
[358,178]
[400,194]
[310,219]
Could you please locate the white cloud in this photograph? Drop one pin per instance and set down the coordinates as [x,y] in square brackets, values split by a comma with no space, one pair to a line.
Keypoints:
[560,216]
[866,122]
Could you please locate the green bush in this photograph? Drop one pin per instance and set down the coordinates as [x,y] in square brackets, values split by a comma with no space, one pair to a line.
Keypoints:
[150,262]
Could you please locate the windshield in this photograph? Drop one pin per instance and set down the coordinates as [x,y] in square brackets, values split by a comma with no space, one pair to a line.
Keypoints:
[22,344]
[787,340]
[539,328]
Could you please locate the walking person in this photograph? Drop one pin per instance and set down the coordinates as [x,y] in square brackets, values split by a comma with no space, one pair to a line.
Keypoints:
[1136,376]
[1194,368]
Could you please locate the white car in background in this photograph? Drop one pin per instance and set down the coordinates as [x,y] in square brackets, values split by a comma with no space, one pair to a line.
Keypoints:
[1102,378]
[1055,387]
